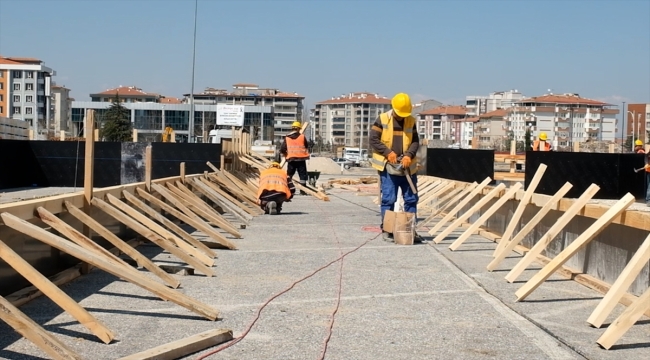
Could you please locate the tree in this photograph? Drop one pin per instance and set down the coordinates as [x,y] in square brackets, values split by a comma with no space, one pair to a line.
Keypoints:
[629,144]
[527,142]
[117,122]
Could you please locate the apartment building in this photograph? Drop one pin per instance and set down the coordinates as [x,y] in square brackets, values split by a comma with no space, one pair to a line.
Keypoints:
[25,91]
[13,129]
[637,121]
[490,130]
[126,94]
[565,118]
[346,119]
[445,123]
[478,105]
[287,106]
[61,109]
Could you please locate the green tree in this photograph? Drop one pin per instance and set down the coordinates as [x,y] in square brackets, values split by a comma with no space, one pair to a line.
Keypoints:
[117,122]
[629,144]
[527,142]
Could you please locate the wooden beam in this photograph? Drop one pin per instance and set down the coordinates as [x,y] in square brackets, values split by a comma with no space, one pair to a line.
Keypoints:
[108,266]
[35,333]
[183,172]
[541,213]
[121,245]
[148,165]
[459,206]
[235,210]
[183,347]
[551,233]
[488,213]
[577,244]
[625,321]
[445,202]
[89,169]
[55,294]
[248,206]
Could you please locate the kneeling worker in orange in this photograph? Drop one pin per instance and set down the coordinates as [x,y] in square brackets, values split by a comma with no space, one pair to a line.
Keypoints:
[275,189]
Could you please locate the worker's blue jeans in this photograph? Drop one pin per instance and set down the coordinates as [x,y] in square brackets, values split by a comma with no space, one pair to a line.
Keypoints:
[389,186]
[647,188]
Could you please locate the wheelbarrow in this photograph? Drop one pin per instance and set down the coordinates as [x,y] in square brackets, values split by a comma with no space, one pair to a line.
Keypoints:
[312,177]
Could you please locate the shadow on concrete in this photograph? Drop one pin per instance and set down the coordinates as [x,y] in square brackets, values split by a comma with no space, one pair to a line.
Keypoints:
[561,300]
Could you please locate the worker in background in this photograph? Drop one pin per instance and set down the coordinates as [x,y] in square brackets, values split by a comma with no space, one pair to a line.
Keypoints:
[275,189]
[638,147]
[294,149]
[394,141]
[542,138]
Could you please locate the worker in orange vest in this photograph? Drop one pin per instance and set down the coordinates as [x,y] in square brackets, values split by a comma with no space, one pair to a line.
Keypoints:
[275,189]
[542,137]
[294,149]
[638,147]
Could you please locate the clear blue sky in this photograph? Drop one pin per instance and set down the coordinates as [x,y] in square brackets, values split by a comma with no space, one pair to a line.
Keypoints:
[443,50]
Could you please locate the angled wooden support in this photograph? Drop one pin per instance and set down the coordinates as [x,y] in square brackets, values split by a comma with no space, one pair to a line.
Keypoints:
[459,206]
[132,199]
[585,238]
[35,333]
[449,199]
[537,249]
[183,347]
[436,191]
[121,245]
[525,200]
[183,172]
[159,230]
[55,294]
[200,202]
[465,216]
[148,165]
[134,277]
[194,221]
[529,226]
[622,283]
[625,321]
[249,206]
[485,216]
[425,191]
[151,236]
[220,201]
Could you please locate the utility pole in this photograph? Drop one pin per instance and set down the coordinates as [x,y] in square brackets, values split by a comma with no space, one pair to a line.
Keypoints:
[191,120]
[624,138]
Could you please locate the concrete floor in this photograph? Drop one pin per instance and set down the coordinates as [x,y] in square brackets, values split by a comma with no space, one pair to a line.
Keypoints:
[397,302]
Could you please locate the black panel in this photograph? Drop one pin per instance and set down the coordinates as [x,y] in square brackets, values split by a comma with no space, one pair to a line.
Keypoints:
[613,173]
[461,165]
[19,167]
[133,155]
[167,157]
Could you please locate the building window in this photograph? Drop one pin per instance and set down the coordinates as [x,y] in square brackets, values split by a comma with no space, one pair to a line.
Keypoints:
[1,98]
[1,110]
[29,87]
[17,110]
[16,86]
[28,110]
[18,74]
[29,98]
[41,86]
[16,98]
[29,74]
[2,85]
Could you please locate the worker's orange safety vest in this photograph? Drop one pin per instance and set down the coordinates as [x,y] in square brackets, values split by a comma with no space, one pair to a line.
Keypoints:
[640,151]
[536,145]
[296,148]
[274,179]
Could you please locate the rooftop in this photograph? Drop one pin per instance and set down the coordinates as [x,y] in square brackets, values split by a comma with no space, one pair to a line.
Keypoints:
[358,97]
[13,60]
[495,113]
[170,100]
[131,91]
[447,110]
[569,99]
[247,90]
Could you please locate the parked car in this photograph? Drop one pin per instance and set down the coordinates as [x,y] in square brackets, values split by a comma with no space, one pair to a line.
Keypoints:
[346,163]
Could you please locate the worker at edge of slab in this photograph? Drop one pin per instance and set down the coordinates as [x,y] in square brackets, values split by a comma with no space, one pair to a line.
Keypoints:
[294,148]
[395,141]
[275,189]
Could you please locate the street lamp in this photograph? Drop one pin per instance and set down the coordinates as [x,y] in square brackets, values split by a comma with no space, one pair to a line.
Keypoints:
[636,123]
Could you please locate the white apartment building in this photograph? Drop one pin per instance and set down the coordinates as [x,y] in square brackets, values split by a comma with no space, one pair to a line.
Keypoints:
[25,91]
[61,109]
[566,119]
[479,105]
[13,129]
[342,120]
[445,123]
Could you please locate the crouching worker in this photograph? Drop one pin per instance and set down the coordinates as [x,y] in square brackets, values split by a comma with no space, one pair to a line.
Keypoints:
[275,188]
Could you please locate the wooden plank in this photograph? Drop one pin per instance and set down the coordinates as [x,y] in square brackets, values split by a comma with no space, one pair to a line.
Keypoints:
[220,201]
[596,228]
[551,233]
[35,333]
[161,231]
[459,206]
[55,294]
[622,283]
[541,213]
[625,321]
[89,167]
[485,216]
[132,199]
[30,293]
[134,277]
[199,201]
[148,165]
[184,347]
[514,220]
[151,236]
[121,245]
[445,201]
[461,218]
[251,208]
[183,172]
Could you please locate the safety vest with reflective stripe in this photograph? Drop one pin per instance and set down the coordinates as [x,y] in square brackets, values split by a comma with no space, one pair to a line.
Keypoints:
[378,161]
[274,179]
[296,148]
[536,145]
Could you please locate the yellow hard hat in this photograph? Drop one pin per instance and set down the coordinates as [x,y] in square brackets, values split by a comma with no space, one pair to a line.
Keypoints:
[275,164]
[296,124]
[402,105]
[542,136]
[638,143]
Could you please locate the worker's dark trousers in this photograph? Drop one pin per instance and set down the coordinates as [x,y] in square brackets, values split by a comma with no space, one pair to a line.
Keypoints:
[389,185]
[301,166]
[277,197]
[647,190]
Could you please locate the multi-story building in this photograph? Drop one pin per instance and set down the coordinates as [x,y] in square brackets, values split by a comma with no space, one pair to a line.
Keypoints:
[638,121]
[345,120]
[444,123]
[25,91]
[478,105]
[60,109]
[127,94]
[425,105]
[287,107]
[566,119]
[490,130]
[14,129]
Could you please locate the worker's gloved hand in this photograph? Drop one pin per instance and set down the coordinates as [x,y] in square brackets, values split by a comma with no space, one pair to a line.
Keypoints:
[392,157]
[406,162]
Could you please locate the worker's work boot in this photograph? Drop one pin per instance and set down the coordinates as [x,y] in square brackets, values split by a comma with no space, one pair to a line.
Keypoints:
[417,238]
[387,236]
[271,206]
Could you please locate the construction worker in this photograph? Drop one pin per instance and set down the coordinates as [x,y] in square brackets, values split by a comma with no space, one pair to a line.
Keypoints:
[275,189]
[638,147]
[542,137]
[394,141]
[294,149]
